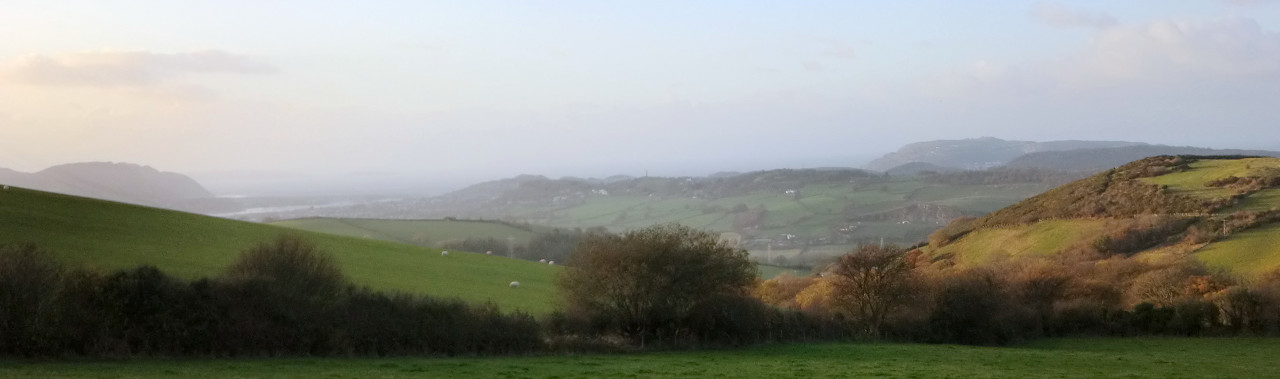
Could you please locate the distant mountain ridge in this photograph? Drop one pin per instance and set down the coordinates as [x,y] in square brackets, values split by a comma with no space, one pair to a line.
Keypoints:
[979,153]
[123,182]
[916,168]
[1106,158]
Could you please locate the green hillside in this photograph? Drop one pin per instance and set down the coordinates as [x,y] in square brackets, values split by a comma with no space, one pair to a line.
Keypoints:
[819,216]
[109,236]
[415,232]
[1157,201]
[805,216]
[431,232]
[1037,239]
[1195,181]
[1251,252]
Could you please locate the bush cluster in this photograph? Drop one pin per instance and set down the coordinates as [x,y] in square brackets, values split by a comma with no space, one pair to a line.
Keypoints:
[282,298]
[1114,193]
[671,285]
[1021,300]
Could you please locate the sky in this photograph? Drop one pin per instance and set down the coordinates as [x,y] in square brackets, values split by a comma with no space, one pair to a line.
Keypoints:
[468,90]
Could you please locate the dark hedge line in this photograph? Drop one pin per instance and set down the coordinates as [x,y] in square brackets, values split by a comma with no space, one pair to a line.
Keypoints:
[258,308]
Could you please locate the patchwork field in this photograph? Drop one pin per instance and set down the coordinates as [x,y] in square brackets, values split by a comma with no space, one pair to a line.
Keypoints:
[818,210]
[111,236]
[1056,358]
[415,232]
[1251,252]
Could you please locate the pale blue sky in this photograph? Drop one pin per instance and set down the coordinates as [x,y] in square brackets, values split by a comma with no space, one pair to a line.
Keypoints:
[492,88]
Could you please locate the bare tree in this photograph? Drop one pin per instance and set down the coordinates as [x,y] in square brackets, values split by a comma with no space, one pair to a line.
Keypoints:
[870,282]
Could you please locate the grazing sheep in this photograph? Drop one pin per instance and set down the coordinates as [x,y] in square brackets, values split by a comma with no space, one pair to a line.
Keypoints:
[551,262]
[542,261]
[444,253]
[488,253]
[515,284]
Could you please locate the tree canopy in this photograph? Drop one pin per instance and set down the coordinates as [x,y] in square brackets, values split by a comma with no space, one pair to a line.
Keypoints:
[646,283]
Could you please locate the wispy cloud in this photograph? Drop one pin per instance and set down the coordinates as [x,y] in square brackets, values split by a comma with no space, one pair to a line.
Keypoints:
[1060,16]
[1173,49]
[109,69]
[1157,54]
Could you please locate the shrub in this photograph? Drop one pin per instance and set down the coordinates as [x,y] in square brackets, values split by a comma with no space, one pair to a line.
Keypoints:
[645,284]
[289,265]
[28,282]
[282,298]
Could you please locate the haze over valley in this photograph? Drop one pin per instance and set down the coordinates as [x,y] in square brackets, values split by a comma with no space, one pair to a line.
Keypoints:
[500,188]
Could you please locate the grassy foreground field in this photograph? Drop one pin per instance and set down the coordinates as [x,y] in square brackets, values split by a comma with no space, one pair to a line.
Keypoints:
[1056,358]
[106,236]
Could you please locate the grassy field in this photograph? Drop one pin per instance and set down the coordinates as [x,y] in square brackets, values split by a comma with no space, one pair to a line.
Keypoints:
[416,232]
[110,236]
[815,213]
[1248,253]
[1056,358]
[1263,200]
[1041,238]
[1251,252]
[1192,182]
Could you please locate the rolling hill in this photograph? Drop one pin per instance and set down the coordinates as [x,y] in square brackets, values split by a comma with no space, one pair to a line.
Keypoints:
[802,216]
[439,233]
[978,153]
[107,235]
[1222,210]
[123,182]
[1099,159]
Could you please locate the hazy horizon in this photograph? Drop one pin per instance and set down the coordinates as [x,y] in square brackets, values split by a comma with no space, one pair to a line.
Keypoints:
[459,92]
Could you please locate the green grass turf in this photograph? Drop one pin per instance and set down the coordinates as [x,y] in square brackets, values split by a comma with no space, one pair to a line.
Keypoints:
[1192,182]
[1041,238]
[419,232]
[603,209]
[105,235]
[1055,358]
[1252,252]
[1263,200]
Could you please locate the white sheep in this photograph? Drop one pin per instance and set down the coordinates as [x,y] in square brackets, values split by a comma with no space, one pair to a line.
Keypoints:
[515,284]
[444,253]
[551,262]
[488,253]
[542,261]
